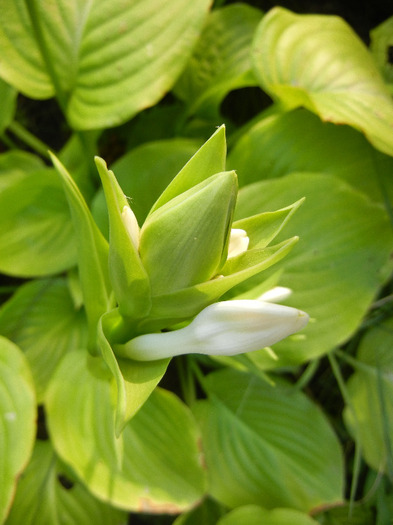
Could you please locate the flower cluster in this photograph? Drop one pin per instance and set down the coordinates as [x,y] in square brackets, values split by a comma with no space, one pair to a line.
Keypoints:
[169,274]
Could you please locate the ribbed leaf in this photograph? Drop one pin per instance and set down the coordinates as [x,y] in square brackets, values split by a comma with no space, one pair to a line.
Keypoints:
[254,515]
[58,47]
[47,493]
[370,415]
[267,445]
[152,467]
[42,319]
[317,61]
[299,141]
[220,61]
[17,420]
[36,235]
[338,265]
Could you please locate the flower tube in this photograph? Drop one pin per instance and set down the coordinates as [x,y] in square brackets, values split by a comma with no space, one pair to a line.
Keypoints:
[223,328]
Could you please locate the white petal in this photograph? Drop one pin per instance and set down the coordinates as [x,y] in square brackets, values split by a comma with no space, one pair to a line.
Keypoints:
[238,242]
[276,294]
[225,328]
[131,224]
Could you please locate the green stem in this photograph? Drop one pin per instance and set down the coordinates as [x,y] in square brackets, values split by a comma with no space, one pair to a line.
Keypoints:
[29,139]
[357,457]
[307,375]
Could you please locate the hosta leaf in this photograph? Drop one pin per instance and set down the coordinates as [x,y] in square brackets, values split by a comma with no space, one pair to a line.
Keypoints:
[221,59]
[152,467]
[318,62]
[36,235]
[58,47]
[43,321]
[8,104]
[381,44]
[17,420]
[47,493]
[254,515]
[267,445]
[299,141]
[338,265]
[370,415]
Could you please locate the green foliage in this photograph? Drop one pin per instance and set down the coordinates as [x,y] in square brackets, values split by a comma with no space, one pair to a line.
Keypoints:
[167,253]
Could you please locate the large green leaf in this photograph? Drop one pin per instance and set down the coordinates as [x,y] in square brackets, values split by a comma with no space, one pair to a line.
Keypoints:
[47,493]
[370,414]
[105,61]
[17,420]
[338,265]
[42,319]
[317,61]
[267,445]
[36,235]
[254,515]
[154,466]
[299,141]
[220,61]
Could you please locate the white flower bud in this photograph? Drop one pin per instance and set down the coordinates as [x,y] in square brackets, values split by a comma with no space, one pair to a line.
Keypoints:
[131,224]
[224,328]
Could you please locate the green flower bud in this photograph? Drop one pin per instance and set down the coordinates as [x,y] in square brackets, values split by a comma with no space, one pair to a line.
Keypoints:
[185,241]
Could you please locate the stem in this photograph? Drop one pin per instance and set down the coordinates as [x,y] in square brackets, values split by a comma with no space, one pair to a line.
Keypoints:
[29,139]
[307,375]
[357,457]
[186,378]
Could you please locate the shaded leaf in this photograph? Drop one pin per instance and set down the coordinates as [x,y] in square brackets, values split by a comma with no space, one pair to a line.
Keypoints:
[43,321]
[254,515]
[49,493]
[220,61]
[267,445]
[370,388]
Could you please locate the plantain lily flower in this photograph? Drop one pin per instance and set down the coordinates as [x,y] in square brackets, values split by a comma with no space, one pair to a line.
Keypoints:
[131,225]
[225,328]
[238,242]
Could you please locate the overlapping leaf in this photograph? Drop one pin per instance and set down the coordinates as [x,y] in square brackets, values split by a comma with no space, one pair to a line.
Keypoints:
[370,415]
[267,445]
[36,236]
[47,493]
[221,59]
[318,62]
[152,467]
[57,48]
[338,265]
[42,319]
[254,515]
[17,420]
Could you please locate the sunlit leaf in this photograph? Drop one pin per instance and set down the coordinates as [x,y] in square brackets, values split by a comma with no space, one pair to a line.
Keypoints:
[267,445]
[58,48]
[154,466]
[17,420]
[49,493]
[221,59]
[319,62]
[43,321]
